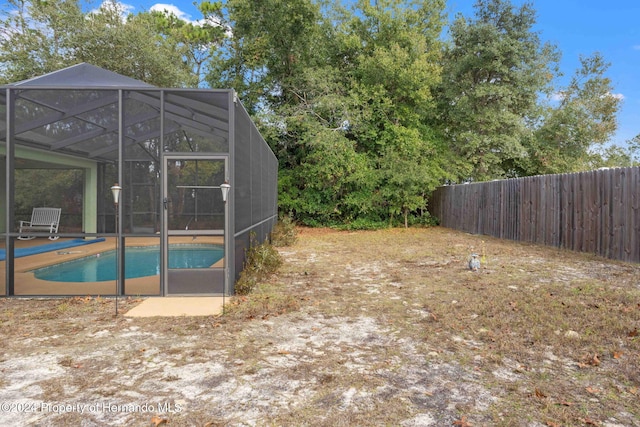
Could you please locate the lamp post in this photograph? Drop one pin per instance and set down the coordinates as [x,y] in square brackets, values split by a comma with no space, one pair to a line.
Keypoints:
[224,188]
[115,191]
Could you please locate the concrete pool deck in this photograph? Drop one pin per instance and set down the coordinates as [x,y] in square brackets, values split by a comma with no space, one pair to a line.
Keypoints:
[26,284]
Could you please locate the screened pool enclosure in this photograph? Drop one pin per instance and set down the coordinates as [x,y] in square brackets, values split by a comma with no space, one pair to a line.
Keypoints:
[159,191]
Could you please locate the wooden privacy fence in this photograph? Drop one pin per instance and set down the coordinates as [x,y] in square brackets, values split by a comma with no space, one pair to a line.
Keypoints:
[596,211]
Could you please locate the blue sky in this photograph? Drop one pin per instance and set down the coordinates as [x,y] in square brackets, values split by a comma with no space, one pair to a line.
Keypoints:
[576,27]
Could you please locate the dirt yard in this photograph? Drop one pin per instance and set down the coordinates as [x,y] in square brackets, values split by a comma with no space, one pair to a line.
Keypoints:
[356,329]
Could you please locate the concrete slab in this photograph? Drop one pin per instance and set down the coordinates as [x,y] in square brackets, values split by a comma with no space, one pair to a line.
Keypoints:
[177,306]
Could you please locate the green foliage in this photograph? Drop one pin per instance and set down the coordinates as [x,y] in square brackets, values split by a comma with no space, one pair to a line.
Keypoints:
[62,188]
[196,42]
[411,170]
[261,260]
[495,69]
[364,104]
[337,181]
[584,117]
[271,44]
[361,223]
[338,132]
[45,36]
[424,219]
[36,37]
[614,156]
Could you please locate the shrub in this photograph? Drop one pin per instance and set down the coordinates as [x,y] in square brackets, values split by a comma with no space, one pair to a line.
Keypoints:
[425,219]
[363,224]
[261,260]
[284,233]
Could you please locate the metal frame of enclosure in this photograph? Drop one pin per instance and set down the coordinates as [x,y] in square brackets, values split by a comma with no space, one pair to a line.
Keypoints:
[66,138]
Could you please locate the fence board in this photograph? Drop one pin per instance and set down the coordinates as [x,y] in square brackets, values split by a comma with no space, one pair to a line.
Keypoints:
[615,215]
[596,212]
[565,220]
[592,216]
[635,207]
[627,221]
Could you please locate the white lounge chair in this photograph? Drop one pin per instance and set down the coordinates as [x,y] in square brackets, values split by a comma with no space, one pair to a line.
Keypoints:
[42,219]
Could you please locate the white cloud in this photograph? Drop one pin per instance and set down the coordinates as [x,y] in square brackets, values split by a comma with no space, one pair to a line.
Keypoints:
[559,96]
[122,8]
[636,47]
[171,9]
[125,9]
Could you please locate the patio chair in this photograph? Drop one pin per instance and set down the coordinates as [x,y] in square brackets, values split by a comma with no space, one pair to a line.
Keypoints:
[42,219]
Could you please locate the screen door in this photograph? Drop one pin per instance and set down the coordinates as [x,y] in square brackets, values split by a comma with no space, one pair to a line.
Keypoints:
[193,249]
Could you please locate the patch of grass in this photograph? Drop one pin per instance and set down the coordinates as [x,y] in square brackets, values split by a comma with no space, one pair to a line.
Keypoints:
[64,306]
[266,300]
[553,319]
[366,328]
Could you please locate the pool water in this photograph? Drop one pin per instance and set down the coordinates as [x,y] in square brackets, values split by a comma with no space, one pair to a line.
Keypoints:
[140,261]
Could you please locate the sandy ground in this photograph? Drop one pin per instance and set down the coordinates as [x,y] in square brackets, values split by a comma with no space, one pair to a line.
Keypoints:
[367,342]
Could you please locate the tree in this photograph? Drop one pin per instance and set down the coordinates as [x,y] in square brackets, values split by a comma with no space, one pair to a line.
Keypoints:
[36,37]
[44,36]
[271,43]
[411,169]
[583,119]
[634,149]
[334,183]
[197,42]
[131,46]
[613,156]
[366,108]
[374,92]
[396,68]
[494,71]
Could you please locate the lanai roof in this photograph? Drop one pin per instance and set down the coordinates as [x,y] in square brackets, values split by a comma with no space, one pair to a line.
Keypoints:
[76,111]
[82,75]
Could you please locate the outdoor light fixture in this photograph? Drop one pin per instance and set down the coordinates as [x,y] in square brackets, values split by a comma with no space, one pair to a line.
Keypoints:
[115,190]
[224,187]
